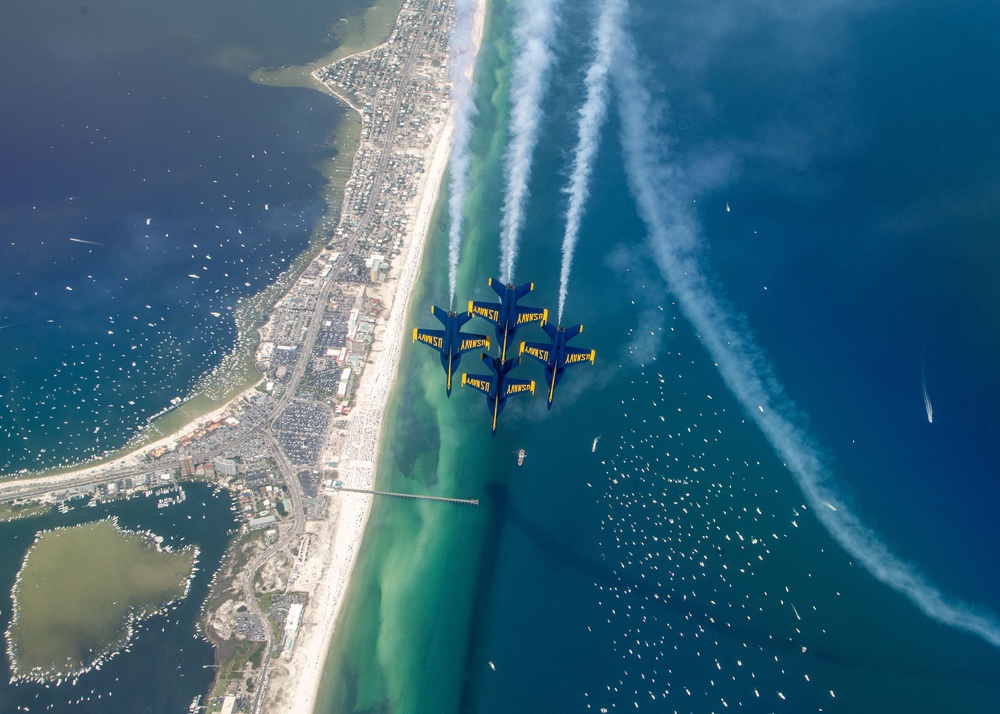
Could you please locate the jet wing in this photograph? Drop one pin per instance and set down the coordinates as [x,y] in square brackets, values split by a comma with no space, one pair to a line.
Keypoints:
[527,315]
[489,311]
[477,382]
[518,386]
[432,338]
[575,355]
[521,290]
[537,350]
[473,342]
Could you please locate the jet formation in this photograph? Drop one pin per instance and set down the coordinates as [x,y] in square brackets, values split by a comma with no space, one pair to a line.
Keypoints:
[451,342]
[506,317]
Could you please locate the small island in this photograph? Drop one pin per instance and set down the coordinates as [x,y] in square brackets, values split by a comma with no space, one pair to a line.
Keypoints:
[80,592]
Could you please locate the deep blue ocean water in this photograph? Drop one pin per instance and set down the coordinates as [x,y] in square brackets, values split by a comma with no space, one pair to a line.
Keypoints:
[674,566]
[841,170]
[134,129]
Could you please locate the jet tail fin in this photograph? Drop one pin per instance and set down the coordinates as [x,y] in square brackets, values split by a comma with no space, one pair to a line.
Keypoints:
[441,314]
[573,331]
[510,364]
[498,286]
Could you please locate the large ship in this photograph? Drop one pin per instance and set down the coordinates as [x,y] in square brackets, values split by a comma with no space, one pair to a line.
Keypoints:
[520,457]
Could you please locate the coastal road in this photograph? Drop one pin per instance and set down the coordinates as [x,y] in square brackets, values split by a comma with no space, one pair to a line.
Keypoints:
[385,155]
[31,488]
[306,353]
[293,529]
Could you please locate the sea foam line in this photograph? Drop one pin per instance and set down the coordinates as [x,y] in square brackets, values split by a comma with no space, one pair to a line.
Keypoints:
[590,120]
[658,187]
[534,30]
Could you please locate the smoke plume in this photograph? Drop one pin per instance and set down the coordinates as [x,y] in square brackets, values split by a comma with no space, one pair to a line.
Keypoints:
[674,238]
[461,63]
[590,120]
[533,33]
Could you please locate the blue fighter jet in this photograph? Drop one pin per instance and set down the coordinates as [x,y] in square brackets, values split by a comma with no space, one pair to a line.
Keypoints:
[507,316]
[498,386]
[557,355]
[450,342]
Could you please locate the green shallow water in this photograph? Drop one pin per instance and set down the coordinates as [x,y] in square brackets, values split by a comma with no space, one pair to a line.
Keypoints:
[77,589]
[672,564]
[414,587]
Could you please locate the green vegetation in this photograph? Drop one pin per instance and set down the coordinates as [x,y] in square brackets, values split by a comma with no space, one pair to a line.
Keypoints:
[9,512]
[357,33]
[232,657]
[238,371]
[79,591]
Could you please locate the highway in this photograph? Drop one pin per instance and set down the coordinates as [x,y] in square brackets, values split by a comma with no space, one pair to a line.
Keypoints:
[291,529]
[294,530]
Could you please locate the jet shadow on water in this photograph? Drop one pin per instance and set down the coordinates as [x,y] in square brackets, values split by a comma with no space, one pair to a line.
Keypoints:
[563,555]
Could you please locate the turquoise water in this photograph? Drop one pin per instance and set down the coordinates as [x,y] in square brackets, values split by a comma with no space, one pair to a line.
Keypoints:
[836,164]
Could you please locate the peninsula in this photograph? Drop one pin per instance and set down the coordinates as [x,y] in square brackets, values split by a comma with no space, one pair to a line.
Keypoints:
[299,449]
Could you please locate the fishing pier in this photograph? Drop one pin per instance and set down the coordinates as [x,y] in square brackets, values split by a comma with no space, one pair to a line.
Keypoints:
[464,501]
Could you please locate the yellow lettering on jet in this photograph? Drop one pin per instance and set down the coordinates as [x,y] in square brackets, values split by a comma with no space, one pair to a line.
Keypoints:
[431,340]
[526,317]
[485,312]
[576,357]
[518,388]
[536,352]
[472,344]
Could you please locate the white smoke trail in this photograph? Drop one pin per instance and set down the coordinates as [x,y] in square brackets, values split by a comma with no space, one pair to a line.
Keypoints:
[533,33]
[591,117]
[674,240]
[462,60]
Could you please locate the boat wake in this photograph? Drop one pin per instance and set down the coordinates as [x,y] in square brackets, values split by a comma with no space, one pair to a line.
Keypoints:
[927,399]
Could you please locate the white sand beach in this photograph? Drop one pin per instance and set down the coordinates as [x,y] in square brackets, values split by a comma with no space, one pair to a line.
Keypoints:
[334,541]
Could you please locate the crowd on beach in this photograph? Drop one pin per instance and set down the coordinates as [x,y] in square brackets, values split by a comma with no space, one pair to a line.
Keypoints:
[294,688]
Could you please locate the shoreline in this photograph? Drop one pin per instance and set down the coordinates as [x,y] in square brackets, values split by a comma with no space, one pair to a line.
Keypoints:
[334,537]
[362,33]
[365,434]
[123,638]
[342,534]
